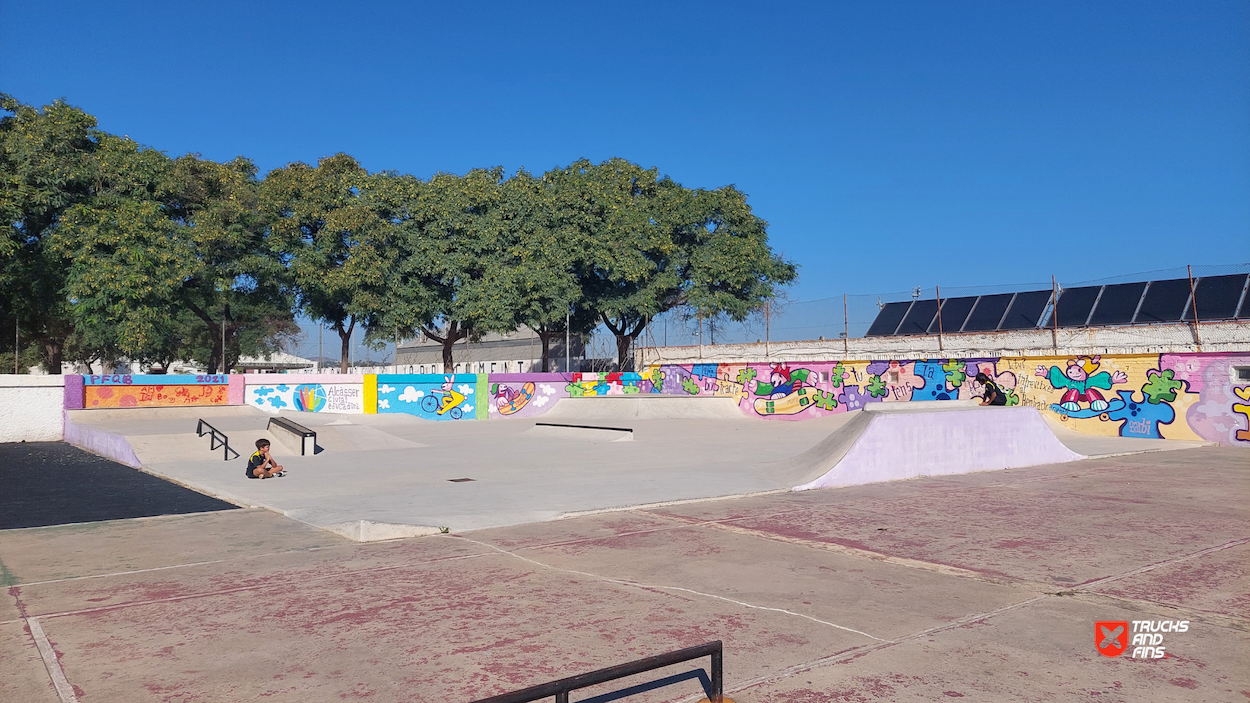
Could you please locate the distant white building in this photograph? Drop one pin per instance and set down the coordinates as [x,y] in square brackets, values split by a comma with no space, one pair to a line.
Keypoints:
[514,352]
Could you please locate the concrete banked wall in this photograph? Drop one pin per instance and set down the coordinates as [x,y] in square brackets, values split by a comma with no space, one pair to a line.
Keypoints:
[1169,396]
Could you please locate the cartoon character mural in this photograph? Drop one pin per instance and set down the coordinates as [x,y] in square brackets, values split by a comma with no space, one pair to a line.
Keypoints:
[431,396]
[524,395]
[1082,379]
[791,391]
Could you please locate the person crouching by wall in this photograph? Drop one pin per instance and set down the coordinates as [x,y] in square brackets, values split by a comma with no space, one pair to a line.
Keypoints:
[993,395]
[261,465]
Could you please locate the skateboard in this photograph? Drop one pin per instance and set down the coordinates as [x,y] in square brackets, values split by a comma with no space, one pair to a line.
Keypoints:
[791,404]
[507,408]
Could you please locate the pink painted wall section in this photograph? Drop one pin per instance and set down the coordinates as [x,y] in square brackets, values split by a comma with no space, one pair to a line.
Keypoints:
[1221,410]
[73,392]
[236,390]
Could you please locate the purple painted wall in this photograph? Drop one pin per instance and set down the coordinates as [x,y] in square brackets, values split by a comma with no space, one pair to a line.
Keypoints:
[525,394]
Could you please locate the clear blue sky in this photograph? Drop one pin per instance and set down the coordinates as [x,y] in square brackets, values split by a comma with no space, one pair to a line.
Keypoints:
[889,145]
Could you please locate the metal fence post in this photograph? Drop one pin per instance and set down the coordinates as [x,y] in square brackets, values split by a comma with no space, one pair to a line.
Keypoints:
[1193,304]
[718,678]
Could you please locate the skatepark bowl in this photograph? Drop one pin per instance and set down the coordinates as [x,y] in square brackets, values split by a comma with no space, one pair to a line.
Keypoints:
[918,552]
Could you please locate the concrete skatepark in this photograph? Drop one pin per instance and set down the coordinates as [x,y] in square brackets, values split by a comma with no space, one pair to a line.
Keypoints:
[974,567]
[389,476]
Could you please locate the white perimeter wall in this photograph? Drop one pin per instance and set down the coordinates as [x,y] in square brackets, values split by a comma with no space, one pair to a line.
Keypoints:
[31,408]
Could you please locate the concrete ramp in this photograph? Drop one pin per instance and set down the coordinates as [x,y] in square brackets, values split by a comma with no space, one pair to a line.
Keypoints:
[886,444]
[645,407]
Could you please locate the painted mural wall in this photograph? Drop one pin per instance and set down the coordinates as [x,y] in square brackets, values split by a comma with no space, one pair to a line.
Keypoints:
[347,398]
[1169,396]
[440,397]
[517,395]
[140,391]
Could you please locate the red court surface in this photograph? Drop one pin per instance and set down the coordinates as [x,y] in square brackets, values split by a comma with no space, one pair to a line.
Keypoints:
[981,587]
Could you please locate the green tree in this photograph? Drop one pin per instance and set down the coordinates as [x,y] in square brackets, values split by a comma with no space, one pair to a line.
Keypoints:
[447,275]
[168,259]
[45,158]
[650,245]
[335,240]
[238,283]
[534,264]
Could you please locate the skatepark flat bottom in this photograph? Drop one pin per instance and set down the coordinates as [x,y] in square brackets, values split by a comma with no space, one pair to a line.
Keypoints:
[977,587]
[52,483]
[385,476]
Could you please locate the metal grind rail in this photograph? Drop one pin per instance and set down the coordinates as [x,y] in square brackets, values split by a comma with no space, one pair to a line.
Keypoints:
[561,688]
[215,436]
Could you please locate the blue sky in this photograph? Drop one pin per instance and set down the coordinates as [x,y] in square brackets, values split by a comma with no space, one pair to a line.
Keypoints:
[889,145]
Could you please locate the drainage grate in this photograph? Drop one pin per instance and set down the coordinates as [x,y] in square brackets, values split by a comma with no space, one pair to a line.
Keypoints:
[459,480]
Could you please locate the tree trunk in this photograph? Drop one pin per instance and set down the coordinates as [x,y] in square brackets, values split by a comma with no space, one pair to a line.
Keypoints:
[453,334]
[448,342]
[623,361]
[344,349]
[545,337]
[53,350]
[345,336]
[215,357]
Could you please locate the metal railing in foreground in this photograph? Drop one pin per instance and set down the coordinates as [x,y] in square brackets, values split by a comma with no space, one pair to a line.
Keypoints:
[215,436]
[561,688]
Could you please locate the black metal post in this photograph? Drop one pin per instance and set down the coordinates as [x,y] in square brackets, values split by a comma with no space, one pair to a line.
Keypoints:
[560,689]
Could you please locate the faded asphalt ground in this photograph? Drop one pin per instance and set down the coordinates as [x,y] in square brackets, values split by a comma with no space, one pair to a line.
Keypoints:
[981,587]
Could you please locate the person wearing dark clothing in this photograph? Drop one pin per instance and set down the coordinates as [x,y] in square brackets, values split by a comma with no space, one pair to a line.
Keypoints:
[261,465]
[993,395]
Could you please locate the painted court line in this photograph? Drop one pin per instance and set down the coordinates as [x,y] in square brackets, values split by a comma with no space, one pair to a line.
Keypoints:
[849,654]
[178,566]
[857,652]
[1166,562]
[658,587]
[63,689]
[242,589]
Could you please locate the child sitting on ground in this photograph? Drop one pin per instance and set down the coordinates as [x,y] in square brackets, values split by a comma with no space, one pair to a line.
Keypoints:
[261,465]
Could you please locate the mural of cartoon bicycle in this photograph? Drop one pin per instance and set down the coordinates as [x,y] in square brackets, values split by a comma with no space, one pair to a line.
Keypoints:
[445,403]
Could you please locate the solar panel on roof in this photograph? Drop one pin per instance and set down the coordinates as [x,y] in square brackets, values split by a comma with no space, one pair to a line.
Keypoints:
[1026,310]
[1217,296]
[1164,301]
[988,313]
[1074,305]
[954,312]
[918,317]
[887,319]
[1118,304]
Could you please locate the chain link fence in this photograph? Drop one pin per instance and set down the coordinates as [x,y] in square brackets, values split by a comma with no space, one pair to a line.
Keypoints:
[850,316]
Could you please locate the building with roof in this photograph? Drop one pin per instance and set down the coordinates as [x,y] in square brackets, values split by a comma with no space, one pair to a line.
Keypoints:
[512,352]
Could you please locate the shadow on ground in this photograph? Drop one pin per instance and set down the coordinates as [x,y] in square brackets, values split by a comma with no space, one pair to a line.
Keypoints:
[53,483]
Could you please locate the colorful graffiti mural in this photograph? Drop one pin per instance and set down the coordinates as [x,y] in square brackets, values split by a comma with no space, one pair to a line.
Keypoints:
[147,396]
[433,396]
[524,395]
[1168,396]
[308,397]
